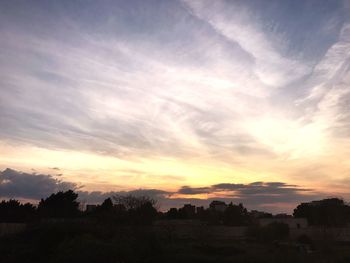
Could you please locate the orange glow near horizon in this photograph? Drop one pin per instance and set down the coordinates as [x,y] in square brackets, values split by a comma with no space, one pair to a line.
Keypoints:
[105,173]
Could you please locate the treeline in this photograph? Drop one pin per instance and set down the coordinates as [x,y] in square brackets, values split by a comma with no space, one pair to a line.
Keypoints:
[331,212]
[65,206]
[231,214]
[117,231]
[141,210]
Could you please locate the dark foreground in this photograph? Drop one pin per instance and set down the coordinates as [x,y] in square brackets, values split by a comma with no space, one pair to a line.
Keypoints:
[95,242]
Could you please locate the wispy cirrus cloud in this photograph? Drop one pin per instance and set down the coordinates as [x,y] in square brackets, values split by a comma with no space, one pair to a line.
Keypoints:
[120,105]
[245,29]
[252,91]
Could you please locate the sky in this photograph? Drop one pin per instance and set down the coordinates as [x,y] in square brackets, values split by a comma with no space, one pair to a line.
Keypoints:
[185,101]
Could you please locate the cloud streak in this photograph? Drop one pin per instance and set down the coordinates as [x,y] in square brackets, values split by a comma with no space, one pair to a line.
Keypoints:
[250,91]
[15,184]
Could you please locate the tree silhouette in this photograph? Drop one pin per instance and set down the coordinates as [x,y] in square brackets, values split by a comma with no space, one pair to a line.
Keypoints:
[236,215]
[13,211]
[107,213]
[133,202]
[59,205]
[140,209]
[107,205]
[326,212]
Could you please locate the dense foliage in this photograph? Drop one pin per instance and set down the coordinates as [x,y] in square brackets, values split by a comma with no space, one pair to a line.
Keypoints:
[327,212]
[14,211]
[142,210]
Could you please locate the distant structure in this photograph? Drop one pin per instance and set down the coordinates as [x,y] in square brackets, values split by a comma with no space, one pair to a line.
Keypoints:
[218,206]
[259,214]
[90,208]
[290,221]
[189,210]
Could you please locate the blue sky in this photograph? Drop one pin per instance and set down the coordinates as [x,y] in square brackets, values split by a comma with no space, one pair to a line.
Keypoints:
[123,95]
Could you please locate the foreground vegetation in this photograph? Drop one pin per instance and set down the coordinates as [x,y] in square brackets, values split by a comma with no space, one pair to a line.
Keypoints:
[90,242]
[121,230]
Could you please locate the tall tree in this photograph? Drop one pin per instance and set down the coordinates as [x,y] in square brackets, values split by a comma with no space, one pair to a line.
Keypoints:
[326,212]
[236,215]
[140,209]
[60,205]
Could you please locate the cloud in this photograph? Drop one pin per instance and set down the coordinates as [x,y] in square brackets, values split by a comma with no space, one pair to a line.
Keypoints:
[186,190]
[270,196]
[244,86]
[15,184]
[244,28]
[106,94]
[98,197]
[277,189]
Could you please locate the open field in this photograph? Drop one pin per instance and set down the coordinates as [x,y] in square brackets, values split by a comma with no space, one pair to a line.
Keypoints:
[85,242]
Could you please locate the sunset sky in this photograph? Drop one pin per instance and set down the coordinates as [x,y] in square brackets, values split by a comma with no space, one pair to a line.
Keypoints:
[242,100]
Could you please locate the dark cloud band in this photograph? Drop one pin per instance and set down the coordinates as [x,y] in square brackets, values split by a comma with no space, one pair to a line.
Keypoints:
[15,184]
